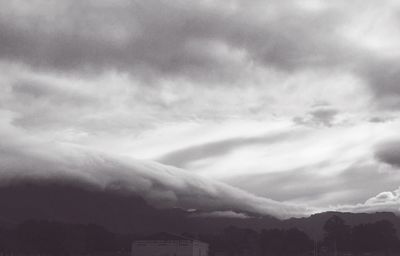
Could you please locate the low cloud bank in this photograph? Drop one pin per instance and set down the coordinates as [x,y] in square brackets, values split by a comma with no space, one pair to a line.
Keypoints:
[25,158]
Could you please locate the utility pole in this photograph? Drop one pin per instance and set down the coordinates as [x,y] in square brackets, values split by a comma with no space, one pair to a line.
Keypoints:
[335,248]
[315,248]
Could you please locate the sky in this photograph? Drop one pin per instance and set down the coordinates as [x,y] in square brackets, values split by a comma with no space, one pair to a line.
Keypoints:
[278,107]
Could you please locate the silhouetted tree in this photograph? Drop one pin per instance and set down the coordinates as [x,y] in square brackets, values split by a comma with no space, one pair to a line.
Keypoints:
[41,237]
[57,238]
[373,237]
[271,242]
[98,239]
[2,239]
[236,241]
[337,234]
[284,242]
[386,236]
[296,242]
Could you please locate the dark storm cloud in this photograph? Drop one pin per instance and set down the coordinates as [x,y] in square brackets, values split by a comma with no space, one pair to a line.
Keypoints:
[165,37]
[389,153]
[185,156]
[138,35]
[158,39]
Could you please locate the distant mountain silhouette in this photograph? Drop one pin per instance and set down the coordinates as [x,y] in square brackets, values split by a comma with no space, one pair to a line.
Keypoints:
[124,213]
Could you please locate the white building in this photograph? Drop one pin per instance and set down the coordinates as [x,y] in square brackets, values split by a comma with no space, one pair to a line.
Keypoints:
[165,244]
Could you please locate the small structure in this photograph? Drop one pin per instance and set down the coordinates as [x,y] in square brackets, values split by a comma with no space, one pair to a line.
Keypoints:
[166,244]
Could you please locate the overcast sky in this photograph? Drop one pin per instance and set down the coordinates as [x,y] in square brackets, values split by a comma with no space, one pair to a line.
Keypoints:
[290,104]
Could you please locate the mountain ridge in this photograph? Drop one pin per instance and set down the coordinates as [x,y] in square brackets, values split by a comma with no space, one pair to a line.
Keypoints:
[126,213]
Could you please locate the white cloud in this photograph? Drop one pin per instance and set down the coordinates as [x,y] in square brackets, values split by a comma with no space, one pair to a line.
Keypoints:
[221,214]
[385,201]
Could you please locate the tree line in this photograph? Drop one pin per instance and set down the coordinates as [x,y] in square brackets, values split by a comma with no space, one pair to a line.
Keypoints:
[338,239]
[380,236]
[56,238]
